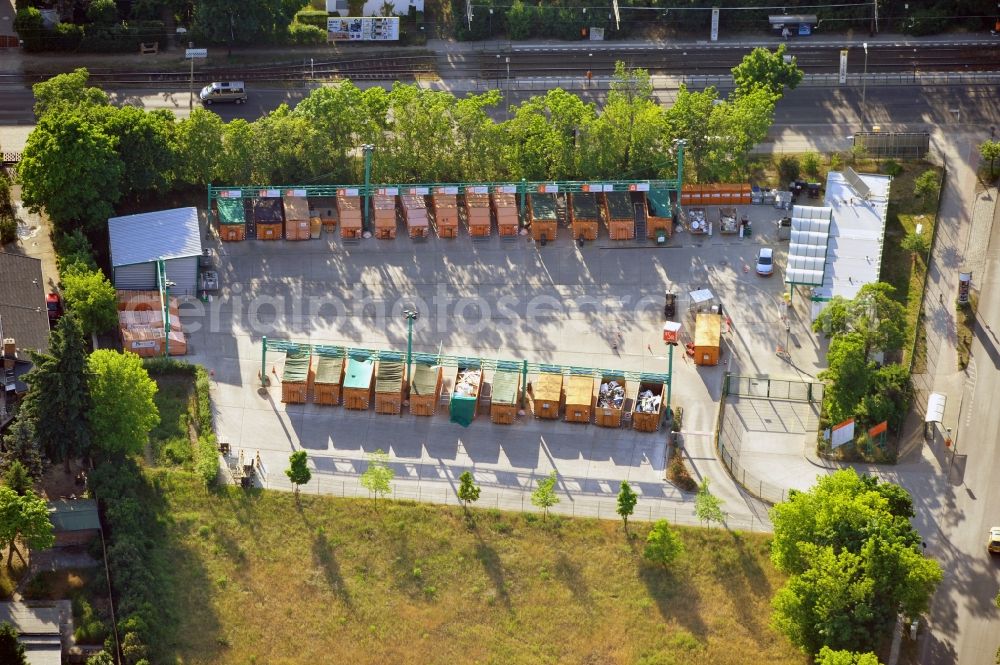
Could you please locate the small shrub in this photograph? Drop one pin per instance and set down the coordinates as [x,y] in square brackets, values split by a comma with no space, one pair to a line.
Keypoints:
[678,474]
[303,35]
[836,162]
[677,420]
[8,230]
[90,629]
[312,17]
[892,168]
[788,169]
[104,12]
[28,25]
[810,164]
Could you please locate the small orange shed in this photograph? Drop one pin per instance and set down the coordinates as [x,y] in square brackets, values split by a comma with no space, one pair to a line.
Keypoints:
[707,338]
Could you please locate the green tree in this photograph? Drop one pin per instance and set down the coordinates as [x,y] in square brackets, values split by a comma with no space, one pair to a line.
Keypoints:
[847,376]
[342,120]
[377,478]
[16,477]
[298,469]
[627,499]
[686,120]
[91,297]
[58,397]
[70,167]
[101,658]
[68,90]
[990,150]
[242,21]
[198,145]
[20,444]
[542,136]
[662,544]
[478,140]
[707,506]
[927,187]
[762,68]
[520,19]
[468,491]
[890,393]
[855,562]
[144,141]
[235,162]
[123,410]
[917,244]
[545,496]
[11,649]
[810,164]
[828,656]
[873,314]
[102,12]
[25,519]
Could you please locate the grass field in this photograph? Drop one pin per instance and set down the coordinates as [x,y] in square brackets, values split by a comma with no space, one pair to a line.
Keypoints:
[264,577]
[170,441]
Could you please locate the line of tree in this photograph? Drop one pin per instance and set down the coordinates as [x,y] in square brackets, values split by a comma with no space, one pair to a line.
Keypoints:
[85,156]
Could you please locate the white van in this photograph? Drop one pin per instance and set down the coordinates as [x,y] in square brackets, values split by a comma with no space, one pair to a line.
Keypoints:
[224,91]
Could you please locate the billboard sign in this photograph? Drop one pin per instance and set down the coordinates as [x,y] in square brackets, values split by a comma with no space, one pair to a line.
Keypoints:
[363,29]
[964,283]
[842,433]
[843,66]
[715,24]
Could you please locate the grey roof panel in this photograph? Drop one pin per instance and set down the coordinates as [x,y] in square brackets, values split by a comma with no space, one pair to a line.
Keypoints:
[148,236]
[22,302]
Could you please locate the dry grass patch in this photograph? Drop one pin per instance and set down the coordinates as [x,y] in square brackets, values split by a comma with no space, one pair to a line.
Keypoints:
[296,580]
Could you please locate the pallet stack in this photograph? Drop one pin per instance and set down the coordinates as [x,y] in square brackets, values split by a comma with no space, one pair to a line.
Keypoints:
[140,321]
[415,214]
[296,218]
[384,206]
[349,214]
[445,215]
[505,210]
[477,214]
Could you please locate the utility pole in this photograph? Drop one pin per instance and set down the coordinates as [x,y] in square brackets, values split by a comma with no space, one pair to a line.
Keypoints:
[191,81]
[506,105]
[411,316]
[367,149]
[864,90]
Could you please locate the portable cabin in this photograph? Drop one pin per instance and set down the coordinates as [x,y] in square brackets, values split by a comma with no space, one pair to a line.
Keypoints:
[296,218]
[579,398]
[619,215]
[465,396]
[384,209]
[505,210]
[445,215]
[546,393]
[324,208]
[358,376]
[506,384]
[232,219]
[543,213]
[269,218]
[415,214]
[349,215]
[610,401]
[328,379]
[389,384]
[584,215]
[295,377]
[707,338]
[477,214]
[425,389]
[649,403]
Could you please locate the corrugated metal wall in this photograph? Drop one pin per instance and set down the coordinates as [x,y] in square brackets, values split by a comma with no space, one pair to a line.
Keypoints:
[139,277]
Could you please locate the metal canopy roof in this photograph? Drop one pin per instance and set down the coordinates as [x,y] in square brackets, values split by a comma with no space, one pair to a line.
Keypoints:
[149,236]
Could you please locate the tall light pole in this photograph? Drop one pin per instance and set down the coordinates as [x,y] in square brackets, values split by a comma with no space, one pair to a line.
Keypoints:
[191,81]
[864,90]
[367,149]
[498,71]
[411,316]
[506,105]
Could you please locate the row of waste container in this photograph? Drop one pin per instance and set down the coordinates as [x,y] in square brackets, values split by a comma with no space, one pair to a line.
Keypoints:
[357,382]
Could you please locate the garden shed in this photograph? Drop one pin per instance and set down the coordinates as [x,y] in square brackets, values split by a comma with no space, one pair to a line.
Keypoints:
[389,384]
[546,393]
[138,241]
[506,383]
[619,214]
[231,214]
[445,215]
[477,214]
[358,376]
[584,215]
[328,379]
[425,389]
[543,213]
[579,398]
[465,396]
[268,218]
[649,402]
[610,401]
[505,210]
[295,377]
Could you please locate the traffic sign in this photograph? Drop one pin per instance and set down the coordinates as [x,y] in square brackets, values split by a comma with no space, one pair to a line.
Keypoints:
[191,53]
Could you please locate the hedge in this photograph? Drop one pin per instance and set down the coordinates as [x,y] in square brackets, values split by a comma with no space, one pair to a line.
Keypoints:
[312,17]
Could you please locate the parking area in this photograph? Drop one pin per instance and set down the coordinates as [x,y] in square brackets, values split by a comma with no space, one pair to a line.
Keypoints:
[600,305]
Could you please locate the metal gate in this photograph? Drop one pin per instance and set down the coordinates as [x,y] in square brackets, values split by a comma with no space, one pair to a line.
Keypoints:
[767,388]
[894,144]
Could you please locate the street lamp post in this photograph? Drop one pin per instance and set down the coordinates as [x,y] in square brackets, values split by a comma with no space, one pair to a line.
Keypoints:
[191,81]
[864,90]
[498,71]
[411,316]
[367,149]
[506,100]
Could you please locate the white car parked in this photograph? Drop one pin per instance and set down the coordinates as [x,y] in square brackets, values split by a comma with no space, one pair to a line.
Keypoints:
[765,262]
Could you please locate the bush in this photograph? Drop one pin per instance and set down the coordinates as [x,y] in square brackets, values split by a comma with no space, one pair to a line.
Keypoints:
[312,17]
[66,37]
[8,229]
[104,12]
[303,35]
[675,422]
[678,474]
[810,164]
[90,629]
[836,162]
[72,248]
[788,170]
[28,25]
[892,167]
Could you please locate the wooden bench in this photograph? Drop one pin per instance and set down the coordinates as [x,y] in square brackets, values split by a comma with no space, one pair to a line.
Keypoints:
[149,48]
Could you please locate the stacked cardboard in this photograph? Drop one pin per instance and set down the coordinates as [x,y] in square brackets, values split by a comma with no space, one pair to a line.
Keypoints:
[415,214]
[269,218]
[543,213]
[446,215]
[232,219]
[349,214]
[296,218]
[384,206]
[149,343]
[505,210]
[140,321]
[620,215]
[477,214]
[584,215]
[325,209]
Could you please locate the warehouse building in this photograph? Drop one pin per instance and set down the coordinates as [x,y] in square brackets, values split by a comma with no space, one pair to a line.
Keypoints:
[138,242]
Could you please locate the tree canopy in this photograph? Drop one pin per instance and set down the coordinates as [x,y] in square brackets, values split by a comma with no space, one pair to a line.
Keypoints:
[298,469]
[11,649]
[91,297]
[23,518]
[377,478]
[662,544]
[762,68]
[854,561]
[545,496]
[123,410]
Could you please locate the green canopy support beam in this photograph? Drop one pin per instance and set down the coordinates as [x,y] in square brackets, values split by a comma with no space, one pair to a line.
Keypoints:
[368,149]
[263,362]
[161,278]
[524,383]
[670,377]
